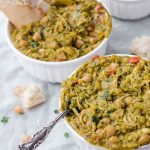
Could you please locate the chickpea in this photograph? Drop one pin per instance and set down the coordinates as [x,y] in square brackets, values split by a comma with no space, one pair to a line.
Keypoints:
[119,103]
[61,56]
[115,146]
[105,121]
[92,40]
[89,123]
[110,131]
[18,91]
[37,36]
[100,133]
[92,34]
[23,43]
[53,45]
[26,139]
[41,50]
[44,20]
[147,94]
[19,110]
[144,139]
[113,143]
[128,100]
[113,140]
[87,77]
[79,43]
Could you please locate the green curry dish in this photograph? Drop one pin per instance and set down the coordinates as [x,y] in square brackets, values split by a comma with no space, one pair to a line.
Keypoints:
[70,29]
[116,115]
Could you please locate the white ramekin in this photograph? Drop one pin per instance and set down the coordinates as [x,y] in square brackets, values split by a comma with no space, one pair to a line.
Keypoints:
[54,72]
[128,9]
[80,141]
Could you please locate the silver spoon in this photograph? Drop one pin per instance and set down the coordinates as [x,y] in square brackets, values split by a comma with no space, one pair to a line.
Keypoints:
[42,134]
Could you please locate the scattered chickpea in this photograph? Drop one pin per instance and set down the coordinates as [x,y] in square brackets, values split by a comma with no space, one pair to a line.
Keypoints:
[37,36]
[79,43]
[119,103]
[19,110]
[23,43]
[144,139]
[18,90]
[87,77]
[110,131]
[25,139]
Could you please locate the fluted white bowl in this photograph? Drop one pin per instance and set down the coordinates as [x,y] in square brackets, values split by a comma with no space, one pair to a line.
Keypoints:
[128,9]
[54,72]
[80,141]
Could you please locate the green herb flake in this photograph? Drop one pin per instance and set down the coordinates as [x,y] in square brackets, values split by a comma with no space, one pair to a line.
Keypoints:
[34,44]
[56,111]
[106,95]
[5,119]
[111,110]
[42,32]
[66,134]
[95,119]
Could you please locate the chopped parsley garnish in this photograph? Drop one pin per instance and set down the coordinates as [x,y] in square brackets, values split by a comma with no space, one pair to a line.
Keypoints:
[106,95]
[111,110]
[5,119]
[95,119]
[66,134]
[68,102]
[41,32]
[56,111]
[34,44]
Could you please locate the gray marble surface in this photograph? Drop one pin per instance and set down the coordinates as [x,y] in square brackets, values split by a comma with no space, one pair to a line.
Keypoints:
[12,74]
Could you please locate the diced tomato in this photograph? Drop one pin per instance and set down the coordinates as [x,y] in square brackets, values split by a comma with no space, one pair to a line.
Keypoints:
[101,18]
[97,139]
[95,57]
[93,26]
[99,8]
[75,82]
[134,60]
[112,72]
[113,67]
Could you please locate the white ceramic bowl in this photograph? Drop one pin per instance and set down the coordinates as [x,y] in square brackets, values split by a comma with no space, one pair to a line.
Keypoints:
[128,9]
[81,142]
[54,72]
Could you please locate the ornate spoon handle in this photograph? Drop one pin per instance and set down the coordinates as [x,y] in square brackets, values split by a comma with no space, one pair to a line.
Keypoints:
[42,134]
